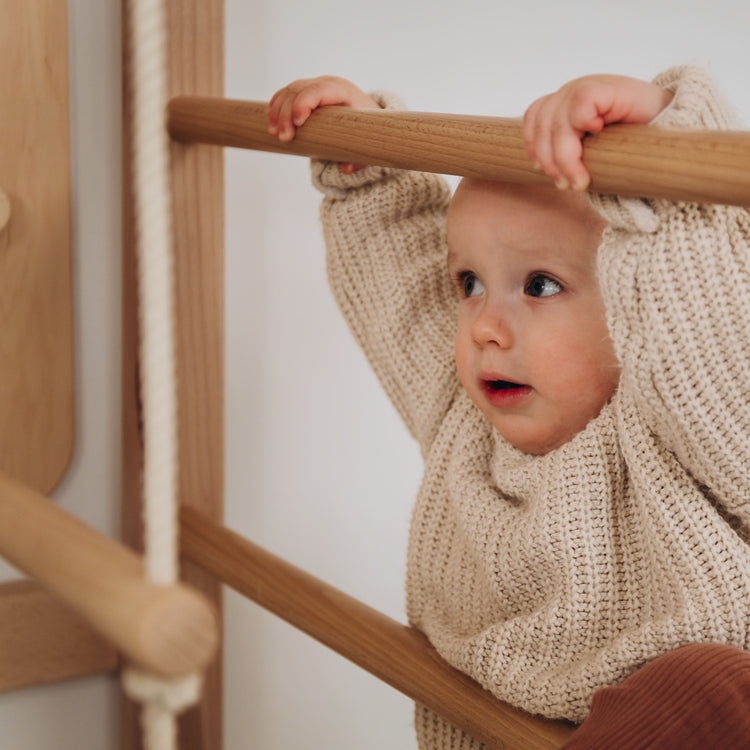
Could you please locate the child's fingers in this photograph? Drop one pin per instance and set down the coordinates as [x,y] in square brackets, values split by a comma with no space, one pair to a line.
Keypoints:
[555,125]
[309,98]
[348,168]
[284,123]
[529,132]
[291,106]
[578,113]
[273,101]
[281,108]
[275,107]
[291,111]
[554,144]
[539,135]
[567,148]
[272,114]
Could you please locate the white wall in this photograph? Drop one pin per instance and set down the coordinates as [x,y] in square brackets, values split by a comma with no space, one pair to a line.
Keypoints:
[318,466]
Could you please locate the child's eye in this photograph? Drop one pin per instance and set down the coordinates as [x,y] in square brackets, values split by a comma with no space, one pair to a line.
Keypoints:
[540,285]
[470,285]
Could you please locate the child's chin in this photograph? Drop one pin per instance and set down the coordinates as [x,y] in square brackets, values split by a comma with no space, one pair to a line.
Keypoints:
[535,443]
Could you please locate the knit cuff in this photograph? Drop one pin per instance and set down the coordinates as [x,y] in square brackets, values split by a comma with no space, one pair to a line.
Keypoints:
[327,176]
[695,105]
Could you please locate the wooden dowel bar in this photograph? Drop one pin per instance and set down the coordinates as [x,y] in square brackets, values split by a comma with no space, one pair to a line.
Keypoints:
[397,654]
[169,630]
[638,160]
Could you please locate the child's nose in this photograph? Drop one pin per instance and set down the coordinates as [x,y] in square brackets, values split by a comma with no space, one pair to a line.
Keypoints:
[492,326]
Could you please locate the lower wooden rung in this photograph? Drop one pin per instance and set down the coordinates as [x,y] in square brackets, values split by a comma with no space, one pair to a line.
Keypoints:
[397,654]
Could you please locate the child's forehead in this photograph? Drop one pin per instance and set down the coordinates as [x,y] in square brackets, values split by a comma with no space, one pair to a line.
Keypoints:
[523,218]
[539,199]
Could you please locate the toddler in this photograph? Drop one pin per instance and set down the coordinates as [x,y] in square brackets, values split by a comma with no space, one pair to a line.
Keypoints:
[576,371]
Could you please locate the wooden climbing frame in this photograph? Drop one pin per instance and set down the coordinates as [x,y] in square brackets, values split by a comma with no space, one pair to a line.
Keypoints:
[102,581]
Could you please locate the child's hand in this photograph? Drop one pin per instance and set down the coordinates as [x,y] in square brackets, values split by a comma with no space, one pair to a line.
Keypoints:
[290,107]
[554,125]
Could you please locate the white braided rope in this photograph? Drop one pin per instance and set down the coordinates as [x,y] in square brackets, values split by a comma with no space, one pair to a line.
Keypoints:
[162,699]
[155,281]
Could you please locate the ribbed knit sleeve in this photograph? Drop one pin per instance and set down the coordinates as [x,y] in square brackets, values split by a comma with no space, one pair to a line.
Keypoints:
[386,255]
[676,283]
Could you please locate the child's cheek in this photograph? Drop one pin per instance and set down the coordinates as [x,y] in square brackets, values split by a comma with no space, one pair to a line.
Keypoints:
[462,358]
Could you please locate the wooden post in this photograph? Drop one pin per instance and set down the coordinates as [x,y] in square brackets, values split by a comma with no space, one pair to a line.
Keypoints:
[196,34]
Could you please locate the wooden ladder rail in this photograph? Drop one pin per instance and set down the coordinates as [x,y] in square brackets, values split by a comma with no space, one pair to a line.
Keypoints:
[395,653]
[707,166]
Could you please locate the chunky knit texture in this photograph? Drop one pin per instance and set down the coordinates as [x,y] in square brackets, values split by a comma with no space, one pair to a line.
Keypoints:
[546,578]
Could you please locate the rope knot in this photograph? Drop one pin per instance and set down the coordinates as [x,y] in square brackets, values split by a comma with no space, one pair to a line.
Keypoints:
[171,695]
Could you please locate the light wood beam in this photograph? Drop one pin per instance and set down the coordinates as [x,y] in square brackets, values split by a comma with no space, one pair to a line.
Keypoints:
[708,166]
[397,654]
[170,630]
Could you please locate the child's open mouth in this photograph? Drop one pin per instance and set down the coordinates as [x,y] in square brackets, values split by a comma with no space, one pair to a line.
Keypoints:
[505,393]
[502,385]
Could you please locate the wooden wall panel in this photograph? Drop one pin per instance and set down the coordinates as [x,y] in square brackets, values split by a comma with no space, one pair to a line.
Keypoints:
[36,336]
[42,641]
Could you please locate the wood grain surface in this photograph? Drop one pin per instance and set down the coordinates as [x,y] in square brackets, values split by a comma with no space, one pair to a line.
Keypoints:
[36,346]
[638,160]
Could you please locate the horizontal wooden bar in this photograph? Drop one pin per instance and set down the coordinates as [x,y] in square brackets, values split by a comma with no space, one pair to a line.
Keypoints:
[707,166]
[170,630]
[397,654]
[42,641]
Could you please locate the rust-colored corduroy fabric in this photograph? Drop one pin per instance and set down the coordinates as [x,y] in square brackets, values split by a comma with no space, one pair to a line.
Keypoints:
[693,698]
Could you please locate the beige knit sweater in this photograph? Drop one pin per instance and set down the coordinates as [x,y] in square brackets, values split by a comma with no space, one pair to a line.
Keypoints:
[548,577]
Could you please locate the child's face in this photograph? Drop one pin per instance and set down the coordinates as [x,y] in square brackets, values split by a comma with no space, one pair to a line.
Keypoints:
[532,347]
